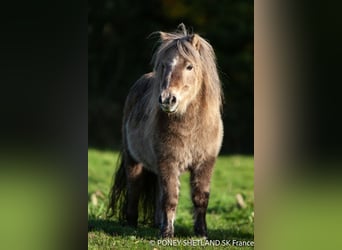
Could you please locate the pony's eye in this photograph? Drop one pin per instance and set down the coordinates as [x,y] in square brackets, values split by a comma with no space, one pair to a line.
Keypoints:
[189,67]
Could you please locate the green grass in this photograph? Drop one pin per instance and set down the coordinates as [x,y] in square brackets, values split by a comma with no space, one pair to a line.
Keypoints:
[226,221]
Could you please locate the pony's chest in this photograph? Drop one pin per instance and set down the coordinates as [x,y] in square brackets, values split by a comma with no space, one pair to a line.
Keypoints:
[189,151]
[189,144]
[189,157]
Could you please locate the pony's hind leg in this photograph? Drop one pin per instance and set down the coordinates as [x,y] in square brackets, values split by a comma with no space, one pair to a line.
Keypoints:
[135,182]
[200,189]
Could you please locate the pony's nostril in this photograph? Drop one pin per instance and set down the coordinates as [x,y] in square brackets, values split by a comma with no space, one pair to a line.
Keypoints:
[160,99]
[173,100]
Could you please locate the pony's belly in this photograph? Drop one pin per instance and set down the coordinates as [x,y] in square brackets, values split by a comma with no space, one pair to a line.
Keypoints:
[141,150]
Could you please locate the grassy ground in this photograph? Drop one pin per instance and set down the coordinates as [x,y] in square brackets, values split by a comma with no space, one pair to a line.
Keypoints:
[228,225]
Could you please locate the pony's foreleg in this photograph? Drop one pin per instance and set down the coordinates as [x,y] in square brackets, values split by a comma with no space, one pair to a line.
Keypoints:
[135,182]
[158,214]
[200,189]
[169,180]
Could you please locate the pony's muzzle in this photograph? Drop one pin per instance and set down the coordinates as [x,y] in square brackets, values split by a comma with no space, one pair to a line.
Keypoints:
[168,102]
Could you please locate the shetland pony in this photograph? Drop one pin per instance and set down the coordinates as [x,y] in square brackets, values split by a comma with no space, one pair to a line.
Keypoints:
[171,124]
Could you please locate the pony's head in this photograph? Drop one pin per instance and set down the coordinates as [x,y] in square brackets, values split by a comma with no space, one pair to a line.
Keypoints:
[183,64]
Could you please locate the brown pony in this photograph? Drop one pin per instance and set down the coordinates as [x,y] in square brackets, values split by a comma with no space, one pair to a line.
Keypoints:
[171,123]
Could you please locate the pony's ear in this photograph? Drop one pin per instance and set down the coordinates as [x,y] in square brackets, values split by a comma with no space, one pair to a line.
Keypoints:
[164,36]
[195,41]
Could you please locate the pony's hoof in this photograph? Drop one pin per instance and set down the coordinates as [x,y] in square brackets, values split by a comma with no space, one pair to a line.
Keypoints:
[132,224]
[167,234]
[201,234]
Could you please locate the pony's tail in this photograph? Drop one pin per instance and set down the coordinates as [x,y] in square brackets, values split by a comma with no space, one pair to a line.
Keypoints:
[118,194]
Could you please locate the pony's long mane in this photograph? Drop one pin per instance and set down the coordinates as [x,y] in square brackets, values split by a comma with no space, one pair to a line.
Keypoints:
[204,58]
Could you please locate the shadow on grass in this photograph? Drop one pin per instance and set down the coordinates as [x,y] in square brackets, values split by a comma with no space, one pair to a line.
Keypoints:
[114,228]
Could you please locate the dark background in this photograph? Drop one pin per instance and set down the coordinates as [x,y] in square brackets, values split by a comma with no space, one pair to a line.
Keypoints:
[119,52]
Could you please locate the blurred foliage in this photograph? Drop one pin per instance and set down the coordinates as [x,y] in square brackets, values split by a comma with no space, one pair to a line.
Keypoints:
[120,52]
